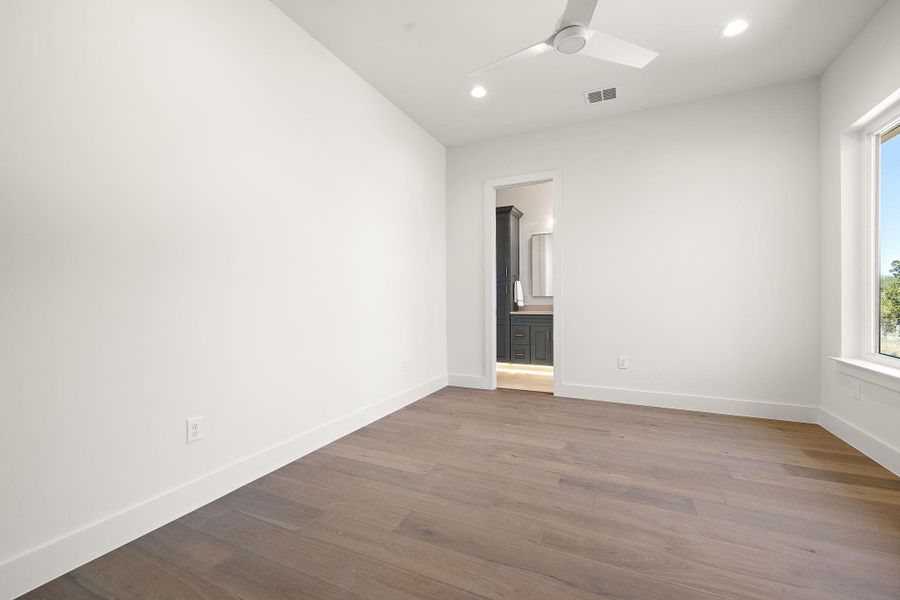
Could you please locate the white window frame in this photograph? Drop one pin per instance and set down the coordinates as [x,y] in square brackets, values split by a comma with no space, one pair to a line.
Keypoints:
[872,178]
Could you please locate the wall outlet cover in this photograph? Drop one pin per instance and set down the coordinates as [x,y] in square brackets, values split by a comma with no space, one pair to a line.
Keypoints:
[194,429]
[623,362]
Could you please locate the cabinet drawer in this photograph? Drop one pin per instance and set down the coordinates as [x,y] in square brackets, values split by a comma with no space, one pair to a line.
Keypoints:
[520,334]
[520,353]
[523,318]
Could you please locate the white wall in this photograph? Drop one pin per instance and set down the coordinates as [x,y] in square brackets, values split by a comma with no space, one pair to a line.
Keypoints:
[689,240]
[536,203]
[202,212]
[865,74]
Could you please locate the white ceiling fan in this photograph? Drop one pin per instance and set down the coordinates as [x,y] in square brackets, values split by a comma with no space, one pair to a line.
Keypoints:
[573,35]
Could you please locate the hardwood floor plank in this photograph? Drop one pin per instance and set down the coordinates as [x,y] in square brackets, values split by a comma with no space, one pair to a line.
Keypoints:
[457,570]
[690,565]
[378,493]
[357,506]
[249,575]
[876,517]
[316,558]
[723,455]
[630,493]
[392,460]
[185,547]
[66,587]
[530,556]
[129,573]
[251,500]
[842,477]
[816,485]
[807,526]
[502,581]
[655,527]
[320,466]
[848,456]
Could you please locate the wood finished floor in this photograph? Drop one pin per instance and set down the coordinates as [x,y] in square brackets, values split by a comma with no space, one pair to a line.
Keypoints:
[473,494]
[525,377]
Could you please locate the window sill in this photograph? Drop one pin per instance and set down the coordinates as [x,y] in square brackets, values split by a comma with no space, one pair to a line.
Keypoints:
[872,372]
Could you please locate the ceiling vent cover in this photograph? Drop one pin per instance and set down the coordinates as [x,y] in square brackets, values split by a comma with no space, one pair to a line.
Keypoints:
[601,95]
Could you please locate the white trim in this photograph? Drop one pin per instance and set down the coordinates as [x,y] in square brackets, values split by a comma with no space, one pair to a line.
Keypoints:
[490,275]
[878,450]
[22,573]
[883,108]
[490,284]
[799,413]
[872,252]
[870,138]
[882,360]
[559,241]
[869,371]
[478,382]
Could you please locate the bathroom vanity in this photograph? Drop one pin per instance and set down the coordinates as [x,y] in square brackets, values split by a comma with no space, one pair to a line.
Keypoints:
[531,337]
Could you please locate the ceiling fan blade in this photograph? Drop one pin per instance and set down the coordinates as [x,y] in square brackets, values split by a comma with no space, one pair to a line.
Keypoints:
[533,50]
[578,12]
[606,47]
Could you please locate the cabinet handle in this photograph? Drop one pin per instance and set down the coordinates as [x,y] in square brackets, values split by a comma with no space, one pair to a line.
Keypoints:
[520,355]
[520,334]
[506,272]
[507,289]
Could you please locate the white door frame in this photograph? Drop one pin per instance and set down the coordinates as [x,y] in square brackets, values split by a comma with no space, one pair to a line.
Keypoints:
[490,270]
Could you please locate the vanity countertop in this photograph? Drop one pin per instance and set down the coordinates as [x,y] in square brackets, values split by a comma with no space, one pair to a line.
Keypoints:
[535,313]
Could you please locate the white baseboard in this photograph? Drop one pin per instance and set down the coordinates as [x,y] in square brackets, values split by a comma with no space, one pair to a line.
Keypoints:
[878,450]
[478,382]
[712,404]
[726,406]
[27,571]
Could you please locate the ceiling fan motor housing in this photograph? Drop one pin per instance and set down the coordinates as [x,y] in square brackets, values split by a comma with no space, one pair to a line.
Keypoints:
[572,39]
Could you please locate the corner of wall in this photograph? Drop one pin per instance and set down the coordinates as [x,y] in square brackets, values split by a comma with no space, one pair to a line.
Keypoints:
[877,449]
[23,573]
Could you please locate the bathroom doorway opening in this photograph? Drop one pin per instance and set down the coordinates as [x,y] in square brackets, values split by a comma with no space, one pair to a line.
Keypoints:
[523,256]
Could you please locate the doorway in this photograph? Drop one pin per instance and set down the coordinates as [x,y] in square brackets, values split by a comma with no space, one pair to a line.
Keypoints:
[523,254]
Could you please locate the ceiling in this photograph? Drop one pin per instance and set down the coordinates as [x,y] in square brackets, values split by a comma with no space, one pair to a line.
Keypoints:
[418,54]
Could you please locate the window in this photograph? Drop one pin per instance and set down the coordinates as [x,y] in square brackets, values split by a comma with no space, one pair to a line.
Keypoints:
[888,246]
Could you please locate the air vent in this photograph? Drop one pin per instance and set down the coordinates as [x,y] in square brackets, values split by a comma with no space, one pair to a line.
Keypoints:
[601,95]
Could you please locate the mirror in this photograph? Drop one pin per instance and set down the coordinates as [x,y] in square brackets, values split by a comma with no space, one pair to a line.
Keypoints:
[542,264]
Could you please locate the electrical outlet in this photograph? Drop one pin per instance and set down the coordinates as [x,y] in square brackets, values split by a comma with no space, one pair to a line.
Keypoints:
[194,429]
[623,362]
[405,365]
[854,389]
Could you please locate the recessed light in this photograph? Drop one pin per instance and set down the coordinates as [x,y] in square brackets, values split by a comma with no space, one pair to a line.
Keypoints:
[478,92]
[736,27]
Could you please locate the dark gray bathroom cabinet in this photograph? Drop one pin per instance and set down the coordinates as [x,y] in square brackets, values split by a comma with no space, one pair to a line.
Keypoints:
[531,339]
[507,274]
